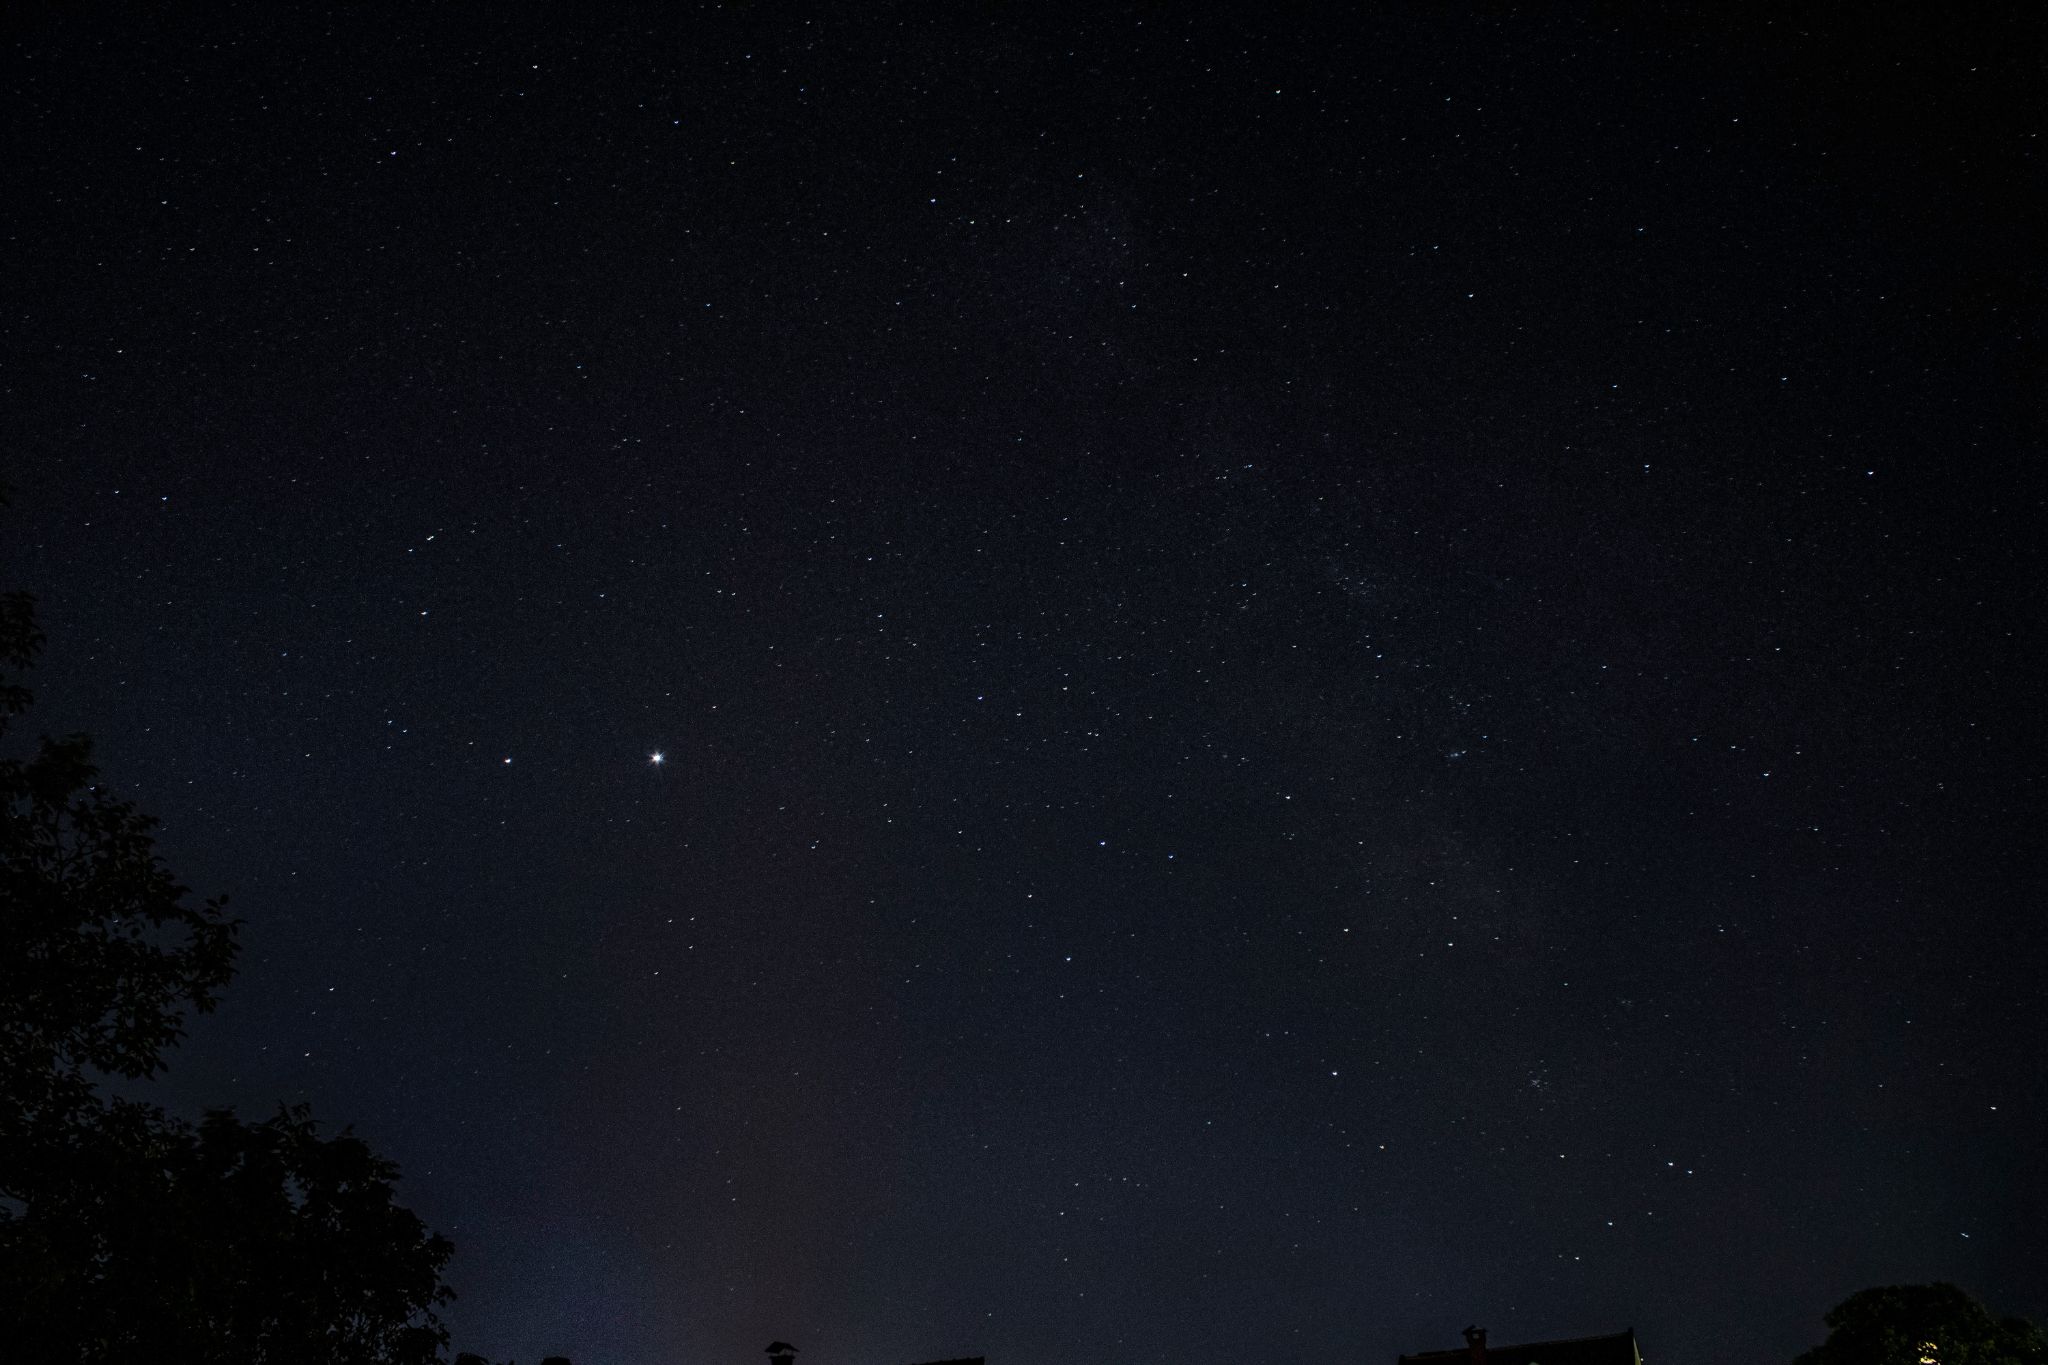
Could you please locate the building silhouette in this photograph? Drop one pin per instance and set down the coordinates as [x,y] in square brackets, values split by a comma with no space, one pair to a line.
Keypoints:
[1619,1349]
[782,1353]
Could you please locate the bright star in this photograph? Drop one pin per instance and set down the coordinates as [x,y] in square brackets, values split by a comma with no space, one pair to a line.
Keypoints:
[655,758]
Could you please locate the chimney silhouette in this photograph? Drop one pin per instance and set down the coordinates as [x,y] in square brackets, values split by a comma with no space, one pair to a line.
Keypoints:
[781,1353]
[1475,1343]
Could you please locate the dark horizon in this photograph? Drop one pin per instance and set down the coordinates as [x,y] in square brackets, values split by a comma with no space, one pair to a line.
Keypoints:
[1314,681]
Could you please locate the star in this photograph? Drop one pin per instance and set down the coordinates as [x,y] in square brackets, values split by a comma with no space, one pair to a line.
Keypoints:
[655,759]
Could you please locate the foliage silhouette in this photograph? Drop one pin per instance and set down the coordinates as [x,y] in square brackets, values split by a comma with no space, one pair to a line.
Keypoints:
[101,950]
[1923,1324]
[126,1233]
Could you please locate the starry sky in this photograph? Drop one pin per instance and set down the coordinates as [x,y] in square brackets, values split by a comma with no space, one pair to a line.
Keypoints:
[1316,679]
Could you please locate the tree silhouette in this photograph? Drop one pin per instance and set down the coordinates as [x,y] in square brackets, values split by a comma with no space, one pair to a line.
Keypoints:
[101,950]
[1924,1324]
[126,1233]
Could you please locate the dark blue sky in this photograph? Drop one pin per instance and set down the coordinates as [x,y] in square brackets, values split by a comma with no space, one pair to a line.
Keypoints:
[1316,681]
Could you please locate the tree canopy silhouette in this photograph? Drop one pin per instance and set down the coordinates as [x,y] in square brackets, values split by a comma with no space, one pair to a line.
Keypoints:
[125,1232]
[1924,1324]
[101,950]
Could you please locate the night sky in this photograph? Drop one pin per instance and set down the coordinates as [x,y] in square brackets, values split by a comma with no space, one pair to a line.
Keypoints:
[1315,680]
